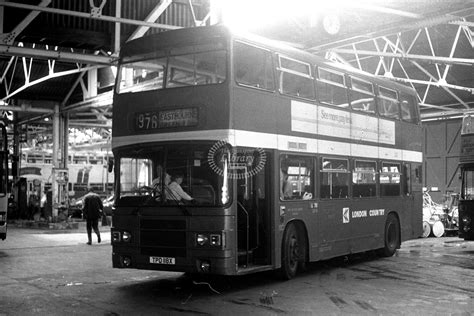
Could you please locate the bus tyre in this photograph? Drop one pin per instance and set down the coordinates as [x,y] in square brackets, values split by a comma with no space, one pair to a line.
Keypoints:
[392,238]
[292,252]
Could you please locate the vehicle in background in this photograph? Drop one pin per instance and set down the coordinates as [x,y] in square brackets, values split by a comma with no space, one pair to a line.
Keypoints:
[466,164]
[4,188]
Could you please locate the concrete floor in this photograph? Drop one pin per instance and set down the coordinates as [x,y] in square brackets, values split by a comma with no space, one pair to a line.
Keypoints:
[56,273]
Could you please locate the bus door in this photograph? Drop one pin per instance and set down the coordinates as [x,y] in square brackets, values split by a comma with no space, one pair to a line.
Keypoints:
[253,220]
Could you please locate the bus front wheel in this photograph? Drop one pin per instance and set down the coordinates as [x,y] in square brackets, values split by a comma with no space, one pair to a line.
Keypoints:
[392,239]
[293,253]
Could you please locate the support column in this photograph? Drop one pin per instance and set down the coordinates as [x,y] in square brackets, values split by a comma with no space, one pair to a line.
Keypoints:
[60,175]
[56,139]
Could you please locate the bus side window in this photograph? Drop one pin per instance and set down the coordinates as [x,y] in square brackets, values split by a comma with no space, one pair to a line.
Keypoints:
[388,105]
[417,178]
[390,179]
[407,179]
[408,108]
[253,67]
[296,178]
[364,183]
[334,178]
[295,78]
[331,88]
[362,96]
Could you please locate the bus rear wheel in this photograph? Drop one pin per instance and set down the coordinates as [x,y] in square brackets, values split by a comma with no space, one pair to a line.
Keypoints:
[293,254]
[392,239]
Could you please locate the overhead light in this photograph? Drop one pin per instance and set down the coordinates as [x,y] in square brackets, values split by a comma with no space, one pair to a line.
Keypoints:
[250,15]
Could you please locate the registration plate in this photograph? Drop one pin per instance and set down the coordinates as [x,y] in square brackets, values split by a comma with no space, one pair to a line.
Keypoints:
[162,260]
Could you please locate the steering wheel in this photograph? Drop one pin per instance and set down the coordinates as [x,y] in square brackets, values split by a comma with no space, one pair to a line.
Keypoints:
[145,189]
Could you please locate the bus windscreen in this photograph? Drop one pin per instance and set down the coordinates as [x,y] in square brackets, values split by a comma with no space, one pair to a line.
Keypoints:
[186,66]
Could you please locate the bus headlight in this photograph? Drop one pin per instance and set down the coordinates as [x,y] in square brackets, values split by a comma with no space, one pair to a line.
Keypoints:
[201,239]
[119,236]
[126,236]
[209,239]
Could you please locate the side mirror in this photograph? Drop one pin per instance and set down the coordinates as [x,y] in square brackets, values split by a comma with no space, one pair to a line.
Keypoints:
[110,165]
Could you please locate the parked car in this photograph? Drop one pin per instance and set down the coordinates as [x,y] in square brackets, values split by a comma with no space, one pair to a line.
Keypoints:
[75,207]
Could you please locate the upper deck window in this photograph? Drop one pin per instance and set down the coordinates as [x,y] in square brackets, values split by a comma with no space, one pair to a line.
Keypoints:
[295,78]
[388,103]
[253,67]
[196,69]
[331,88]
[141,73]
[362,95]
[408,107]
[180,66]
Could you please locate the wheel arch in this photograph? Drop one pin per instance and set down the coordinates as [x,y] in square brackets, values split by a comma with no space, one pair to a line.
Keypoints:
[302,231]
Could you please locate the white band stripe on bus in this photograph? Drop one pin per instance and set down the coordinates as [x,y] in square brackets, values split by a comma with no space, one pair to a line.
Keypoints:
[277,141]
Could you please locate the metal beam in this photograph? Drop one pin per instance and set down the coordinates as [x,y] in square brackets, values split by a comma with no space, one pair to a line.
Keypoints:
[152,17]
[45,78]
[89,15]
[25,108]
[434,59]
[449,17]
[102,100]
[444,88]
[56,55]
[432,83]
[10,37]
[377,8]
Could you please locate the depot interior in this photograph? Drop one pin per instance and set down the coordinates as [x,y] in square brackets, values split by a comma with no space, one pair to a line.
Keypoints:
[58,57]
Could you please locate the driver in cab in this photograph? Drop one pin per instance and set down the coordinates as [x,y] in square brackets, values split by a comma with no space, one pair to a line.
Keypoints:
[175,191]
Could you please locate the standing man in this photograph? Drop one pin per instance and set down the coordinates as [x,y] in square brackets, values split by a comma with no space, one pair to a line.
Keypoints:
[92,211]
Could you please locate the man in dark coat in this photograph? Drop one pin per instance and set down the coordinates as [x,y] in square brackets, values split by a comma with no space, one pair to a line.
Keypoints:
[92,211]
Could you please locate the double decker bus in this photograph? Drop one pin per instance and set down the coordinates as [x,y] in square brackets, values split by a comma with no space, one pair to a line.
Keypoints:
[3,180]
[466,165]
[288,158]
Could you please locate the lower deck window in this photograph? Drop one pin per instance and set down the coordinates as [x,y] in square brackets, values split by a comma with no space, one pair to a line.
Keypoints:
[364,182]
[390,179]
[296,178]
[334,178]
